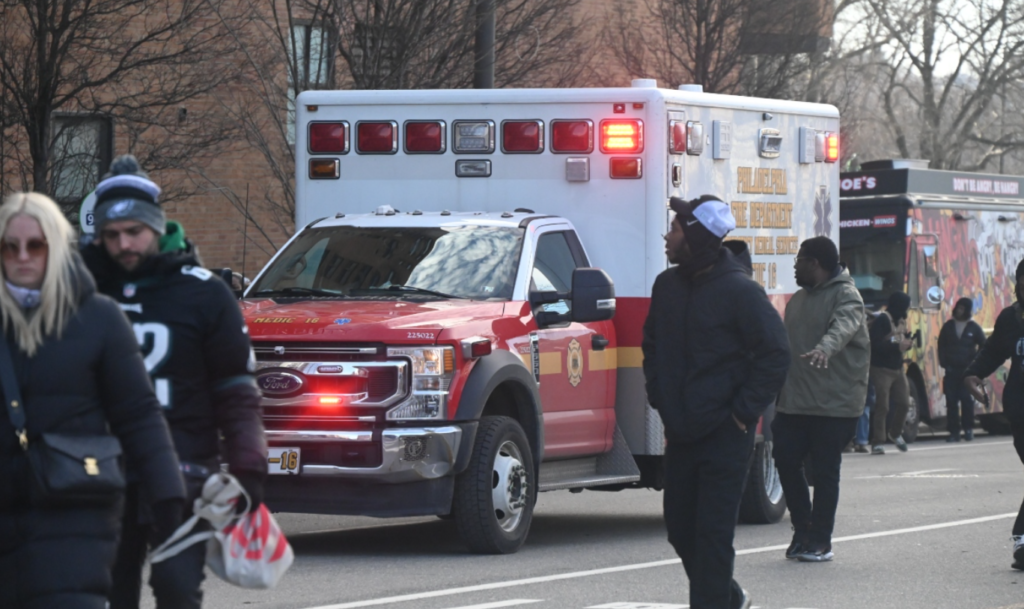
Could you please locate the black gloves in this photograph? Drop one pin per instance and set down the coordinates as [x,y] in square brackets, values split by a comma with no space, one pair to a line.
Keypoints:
[166,518]
[253,484]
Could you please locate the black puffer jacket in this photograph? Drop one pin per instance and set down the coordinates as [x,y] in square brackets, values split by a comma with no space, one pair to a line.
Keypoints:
[1006,342]
[197,347]
[713,346]
[91,378]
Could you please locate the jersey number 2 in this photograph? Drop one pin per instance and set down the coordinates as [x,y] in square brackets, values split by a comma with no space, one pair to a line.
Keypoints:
[155,341]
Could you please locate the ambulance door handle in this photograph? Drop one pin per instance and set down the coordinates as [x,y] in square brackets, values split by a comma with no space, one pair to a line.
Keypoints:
[598,342]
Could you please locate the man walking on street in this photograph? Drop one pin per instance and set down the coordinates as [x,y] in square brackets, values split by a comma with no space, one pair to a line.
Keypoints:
[889,341]
[824,394]
[959,342]
[197,352]
[715,356]
[1007,342]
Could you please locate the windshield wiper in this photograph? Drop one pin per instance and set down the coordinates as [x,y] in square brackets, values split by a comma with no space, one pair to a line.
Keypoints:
[414,289]
[293,290]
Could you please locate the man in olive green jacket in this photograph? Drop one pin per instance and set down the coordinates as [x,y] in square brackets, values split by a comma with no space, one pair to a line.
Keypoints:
[824,393]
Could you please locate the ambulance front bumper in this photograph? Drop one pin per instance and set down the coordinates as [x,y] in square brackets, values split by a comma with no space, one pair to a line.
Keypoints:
[409,454]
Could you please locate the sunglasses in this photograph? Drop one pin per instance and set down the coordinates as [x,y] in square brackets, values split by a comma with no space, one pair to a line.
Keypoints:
[34,247]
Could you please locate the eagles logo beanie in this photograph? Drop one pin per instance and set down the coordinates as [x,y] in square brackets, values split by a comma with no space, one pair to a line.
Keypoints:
[127,193]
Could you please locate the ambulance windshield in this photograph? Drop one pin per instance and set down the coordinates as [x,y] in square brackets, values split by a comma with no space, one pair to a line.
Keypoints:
[474,262]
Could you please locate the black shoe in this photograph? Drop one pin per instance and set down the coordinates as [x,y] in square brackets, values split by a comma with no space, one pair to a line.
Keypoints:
[795,549]
[953,437]
[744,600]
[969,435]
[1018,552]
[816,552]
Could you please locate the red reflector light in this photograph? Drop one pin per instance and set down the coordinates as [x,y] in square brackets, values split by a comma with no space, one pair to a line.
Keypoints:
[522,136]
[572,136]
[481,348]
[626,168]
[328,137]
[379,138]
[329,400]
[424,137]
[677,132]
[622,136]
[832,147]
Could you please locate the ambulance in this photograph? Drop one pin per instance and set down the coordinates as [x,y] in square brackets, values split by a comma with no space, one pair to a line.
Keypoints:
[456,324]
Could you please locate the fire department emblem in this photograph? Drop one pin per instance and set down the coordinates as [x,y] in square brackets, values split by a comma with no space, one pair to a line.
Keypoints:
[574,362]
[822,212]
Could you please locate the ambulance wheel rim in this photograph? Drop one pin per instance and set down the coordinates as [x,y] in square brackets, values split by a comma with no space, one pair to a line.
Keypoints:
[509,486]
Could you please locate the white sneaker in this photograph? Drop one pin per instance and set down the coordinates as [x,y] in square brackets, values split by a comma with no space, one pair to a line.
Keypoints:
[877,450]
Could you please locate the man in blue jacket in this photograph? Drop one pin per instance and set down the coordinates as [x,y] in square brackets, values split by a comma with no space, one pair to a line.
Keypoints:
[715,356]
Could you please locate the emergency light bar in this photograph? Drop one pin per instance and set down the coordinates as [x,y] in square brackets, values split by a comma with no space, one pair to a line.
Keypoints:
[622,136]
[522,137]
[831,147]
[330,138]
[572,136]
[377,137]
[424,137]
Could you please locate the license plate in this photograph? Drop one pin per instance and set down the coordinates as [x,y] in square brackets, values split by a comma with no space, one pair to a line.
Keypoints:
[283,461]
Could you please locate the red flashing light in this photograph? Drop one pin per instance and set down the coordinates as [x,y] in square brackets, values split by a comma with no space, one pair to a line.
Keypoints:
[330,138]
[480,348]
[622,136]
[626,168]
[677,132]
[522,136]
[379,138]
[424,136]
[572,136]
[831,147]
[329,400]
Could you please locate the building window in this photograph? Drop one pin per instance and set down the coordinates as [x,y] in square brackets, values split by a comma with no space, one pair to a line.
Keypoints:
[310,65]
[81,152]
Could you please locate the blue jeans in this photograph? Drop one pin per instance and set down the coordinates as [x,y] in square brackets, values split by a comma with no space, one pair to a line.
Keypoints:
[864,422]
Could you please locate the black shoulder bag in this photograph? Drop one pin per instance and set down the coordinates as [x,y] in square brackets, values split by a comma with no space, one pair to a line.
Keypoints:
[67,469]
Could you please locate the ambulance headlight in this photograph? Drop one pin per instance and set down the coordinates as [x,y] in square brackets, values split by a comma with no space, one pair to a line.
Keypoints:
[432,371]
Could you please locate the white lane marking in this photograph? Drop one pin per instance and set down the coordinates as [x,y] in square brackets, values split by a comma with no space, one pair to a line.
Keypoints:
[638,606]
[926,473]
[638,566]
[961,446]
[510,603]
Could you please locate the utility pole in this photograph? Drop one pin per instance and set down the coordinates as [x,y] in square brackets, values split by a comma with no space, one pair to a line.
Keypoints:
[483,66]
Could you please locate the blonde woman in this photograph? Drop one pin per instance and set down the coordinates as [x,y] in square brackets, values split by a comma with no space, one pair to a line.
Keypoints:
[78,366]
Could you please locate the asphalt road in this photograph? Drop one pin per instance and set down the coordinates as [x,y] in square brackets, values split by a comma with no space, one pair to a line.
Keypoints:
[926,529]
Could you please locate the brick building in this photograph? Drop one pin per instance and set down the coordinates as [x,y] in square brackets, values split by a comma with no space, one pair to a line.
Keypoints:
[251,171]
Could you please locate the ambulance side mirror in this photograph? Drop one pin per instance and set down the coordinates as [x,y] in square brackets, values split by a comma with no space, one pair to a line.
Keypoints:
[593,295]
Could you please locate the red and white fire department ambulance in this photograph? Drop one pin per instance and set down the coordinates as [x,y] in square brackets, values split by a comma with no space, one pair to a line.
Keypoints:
[442,335]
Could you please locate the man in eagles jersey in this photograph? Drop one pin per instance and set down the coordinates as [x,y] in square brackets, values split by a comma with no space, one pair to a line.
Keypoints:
[197,352]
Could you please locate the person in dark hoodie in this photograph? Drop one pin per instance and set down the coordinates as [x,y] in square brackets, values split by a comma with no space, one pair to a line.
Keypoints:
[198,354]
[79,372]
[715,356]
[1007,342]
[889,341]
[959,342]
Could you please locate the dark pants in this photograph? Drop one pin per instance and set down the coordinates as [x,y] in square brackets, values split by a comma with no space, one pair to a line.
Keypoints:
[822,438]
[959,403]
[176,581]
[704,483]
[1017,427]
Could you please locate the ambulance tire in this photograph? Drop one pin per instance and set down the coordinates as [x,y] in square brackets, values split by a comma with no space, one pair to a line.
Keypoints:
[495,496]
[763,501]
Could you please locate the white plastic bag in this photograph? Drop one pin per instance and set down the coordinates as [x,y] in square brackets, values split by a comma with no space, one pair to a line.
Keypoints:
[247,550]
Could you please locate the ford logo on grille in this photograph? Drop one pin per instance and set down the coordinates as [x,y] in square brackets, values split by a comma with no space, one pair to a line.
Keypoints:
[279,382]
